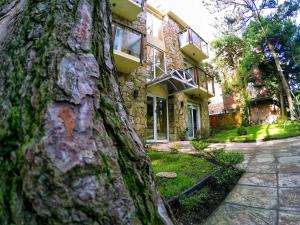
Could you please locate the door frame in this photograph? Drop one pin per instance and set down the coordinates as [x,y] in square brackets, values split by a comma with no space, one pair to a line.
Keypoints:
[155,118]
[197,107]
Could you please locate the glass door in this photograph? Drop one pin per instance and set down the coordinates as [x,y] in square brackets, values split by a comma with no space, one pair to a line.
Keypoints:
[157,119]
[150,118]
[193,121]
[162,120]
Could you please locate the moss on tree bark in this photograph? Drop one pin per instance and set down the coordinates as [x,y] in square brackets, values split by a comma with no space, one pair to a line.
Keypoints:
[68,154]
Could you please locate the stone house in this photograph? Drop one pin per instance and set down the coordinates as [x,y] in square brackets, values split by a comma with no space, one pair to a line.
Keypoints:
[158,58]
[224,110]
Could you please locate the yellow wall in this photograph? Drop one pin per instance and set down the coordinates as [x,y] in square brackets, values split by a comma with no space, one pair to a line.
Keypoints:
[158,90]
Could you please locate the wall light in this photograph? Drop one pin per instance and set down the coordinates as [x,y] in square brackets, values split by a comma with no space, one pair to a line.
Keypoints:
[135,93]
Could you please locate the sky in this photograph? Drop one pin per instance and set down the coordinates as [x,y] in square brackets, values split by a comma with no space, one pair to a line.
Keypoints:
[195,15]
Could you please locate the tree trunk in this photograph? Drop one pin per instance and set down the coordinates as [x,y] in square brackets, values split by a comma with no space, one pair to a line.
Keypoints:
[68,154]
[284,82]
[282,105]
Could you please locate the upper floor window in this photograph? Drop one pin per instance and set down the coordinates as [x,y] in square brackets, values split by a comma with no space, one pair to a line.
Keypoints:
[154,26]
[156,66]
[127,40]
[188,67]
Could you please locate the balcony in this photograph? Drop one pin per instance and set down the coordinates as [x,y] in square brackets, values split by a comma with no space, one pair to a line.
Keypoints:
[127,48]
[192,81]
[128,9]
[204,83]
[193,45]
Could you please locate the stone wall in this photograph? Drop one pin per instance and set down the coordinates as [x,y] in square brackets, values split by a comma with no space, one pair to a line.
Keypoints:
[225,121]
[174,57]
[264,113]
[205,125]
[178,116]
[178,124]
[136,106]
[178,104]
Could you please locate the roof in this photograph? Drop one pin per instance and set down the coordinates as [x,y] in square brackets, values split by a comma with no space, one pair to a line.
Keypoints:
[177,19]
[176,81]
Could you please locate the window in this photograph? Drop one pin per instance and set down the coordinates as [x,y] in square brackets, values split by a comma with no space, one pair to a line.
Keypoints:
[188,67]
[127,40]
[157,118]
[154,26]
[192,70]
[155,63]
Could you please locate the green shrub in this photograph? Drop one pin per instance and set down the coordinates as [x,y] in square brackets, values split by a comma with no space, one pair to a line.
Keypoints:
[199,144]
[241,131]
[227,158]
[198,197]
[226,176]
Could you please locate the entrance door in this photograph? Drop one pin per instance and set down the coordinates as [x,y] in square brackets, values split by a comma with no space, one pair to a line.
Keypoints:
[193,121]
[157,119]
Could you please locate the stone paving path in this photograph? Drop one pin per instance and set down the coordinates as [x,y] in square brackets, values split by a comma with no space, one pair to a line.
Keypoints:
[269,191]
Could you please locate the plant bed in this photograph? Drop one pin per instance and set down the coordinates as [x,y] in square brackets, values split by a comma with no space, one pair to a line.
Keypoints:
[190,200]
[197,207]
[188,192]
[189,169]
[194,207]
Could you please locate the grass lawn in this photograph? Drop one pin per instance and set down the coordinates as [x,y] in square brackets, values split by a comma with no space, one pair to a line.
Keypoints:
[189,170]
[259,132]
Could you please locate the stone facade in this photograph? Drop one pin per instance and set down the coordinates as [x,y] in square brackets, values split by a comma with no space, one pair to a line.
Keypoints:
[133,85]
[178,104]
[174,57]
[134,88]
[205,125]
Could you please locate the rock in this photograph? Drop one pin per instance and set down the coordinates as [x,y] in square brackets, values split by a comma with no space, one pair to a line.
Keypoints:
[167,174]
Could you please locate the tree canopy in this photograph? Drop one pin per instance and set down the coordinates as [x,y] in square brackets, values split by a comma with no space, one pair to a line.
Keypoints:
[271,38]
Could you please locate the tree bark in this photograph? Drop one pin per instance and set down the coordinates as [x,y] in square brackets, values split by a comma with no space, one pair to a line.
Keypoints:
[68,154]
[284,82]
[282,104]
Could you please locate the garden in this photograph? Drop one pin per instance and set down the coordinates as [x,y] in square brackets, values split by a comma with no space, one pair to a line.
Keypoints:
[254,133]
[262,132]
[203,180]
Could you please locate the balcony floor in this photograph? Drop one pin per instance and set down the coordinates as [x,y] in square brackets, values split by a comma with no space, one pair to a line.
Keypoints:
[194,52]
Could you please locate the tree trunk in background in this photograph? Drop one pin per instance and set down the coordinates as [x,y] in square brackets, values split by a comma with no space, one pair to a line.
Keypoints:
[282,104]
[68,154]
[284,82]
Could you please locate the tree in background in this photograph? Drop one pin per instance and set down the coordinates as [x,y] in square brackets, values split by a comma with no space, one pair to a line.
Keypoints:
[229,52]
[238,13]
[240,56]
[68,154]
[284,35]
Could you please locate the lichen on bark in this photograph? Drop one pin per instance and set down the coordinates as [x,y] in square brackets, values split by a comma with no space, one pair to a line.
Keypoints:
[68,154]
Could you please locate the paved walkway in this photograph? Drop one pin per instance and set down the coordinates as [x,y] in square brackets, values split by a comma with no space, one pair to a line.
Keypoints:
[269,191]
